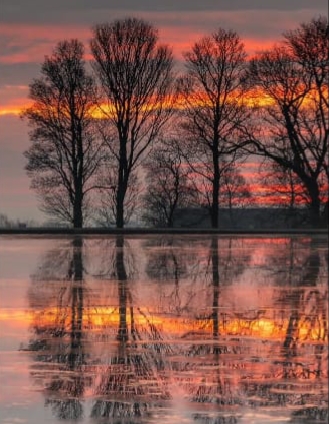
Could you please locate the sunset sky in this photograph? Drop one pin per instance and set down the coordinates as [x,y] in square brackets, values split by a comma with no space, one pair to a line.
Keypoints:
[29,29]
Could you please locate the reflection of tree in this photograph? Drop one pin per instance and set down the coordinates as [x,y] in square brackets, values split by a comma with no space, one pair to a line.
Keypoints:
[211,387]
[307,331]
[299,364]
[222,268]
[208,353]
[166,259]
[132,378]
[187,267]
[215,284]
[309,415]
[59,338]
[113,341]
[169,262]
[122,286]
[296,298]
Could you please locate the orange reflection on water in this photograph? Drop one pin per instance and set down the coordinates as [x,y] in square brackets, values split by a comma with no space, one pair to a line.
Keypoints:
[18,317]
[108,319]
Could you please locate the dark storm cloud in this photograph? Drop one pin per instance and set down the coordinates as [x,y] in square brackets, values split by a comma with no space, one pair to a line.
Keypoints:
[51,11]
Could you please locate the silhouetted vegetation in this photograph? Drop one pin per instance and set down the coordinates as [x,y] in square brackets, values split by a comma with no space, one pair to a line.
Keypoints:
[65,153]
[214,111]
[136,76]
[190,131]
[169,184]
[294,125]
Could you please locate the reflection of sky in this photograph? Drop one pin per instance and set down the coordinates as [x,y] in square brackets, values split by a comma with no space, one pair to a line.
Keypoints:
[19,256]
[241,295]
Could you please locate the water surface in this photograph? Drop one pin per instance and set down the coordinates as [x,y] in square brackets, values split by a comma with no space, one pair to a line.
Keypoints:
[164,329]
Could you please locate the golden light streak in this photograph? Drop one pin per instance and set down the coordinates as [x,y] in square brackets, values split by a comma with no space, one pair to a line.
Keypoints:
[10,111]
[255,97]
[14,109]
[108,319]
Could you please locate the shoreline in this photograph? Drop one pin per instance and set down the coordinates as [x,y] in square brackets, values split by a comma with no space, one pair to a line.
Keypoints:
[158,231]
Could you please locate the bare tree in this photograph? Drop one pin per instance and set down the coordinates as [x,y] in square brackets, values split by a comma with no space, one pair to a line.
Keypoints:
[137,80]
[107,187]
[285,185]
[294,125]
[168,184]
[65,152]
[234,191]
[214,107]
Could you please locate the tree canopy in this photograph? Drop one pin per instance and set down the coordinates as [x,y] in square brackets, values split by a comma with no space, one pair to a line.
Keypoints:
[65,152]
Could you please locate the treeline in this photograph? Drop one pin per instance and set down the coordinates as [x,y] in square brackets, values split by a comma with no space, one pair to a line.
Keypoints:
[128,131]
[6,222]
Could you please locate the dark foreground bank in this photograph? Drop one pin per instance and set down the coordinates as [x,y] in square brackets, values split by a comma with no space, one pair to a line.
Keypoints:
[142,231]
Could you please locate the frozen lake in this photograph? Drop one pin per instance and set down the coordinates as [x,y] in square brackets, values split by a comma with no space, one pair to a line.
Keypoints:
[164,329]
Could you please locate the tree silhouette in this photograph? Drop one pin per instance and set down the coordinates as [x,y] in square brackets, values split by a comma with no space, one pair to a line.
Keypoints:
[169,186]
[137,80]
[213,110]
[294,127]
[65,153]
[286,187]
[107,180]
[234,190]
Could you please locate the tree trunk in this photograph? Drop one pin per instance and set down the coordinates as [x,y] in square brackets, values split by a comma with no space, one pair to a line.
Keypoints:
[324,216]
[170,220]
[231,209]
[77,210]
[215,190]
[122,185]
[120,208]
[315,211]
